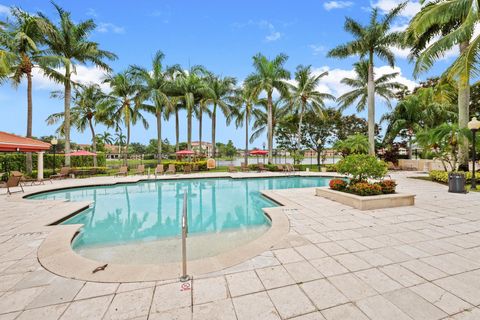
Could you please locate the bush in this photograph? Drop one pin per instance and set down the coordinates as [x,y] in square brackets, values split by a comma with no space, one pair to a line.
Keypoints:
[17,161]
[442,176]
[179,165]
[365,189]
[362,167]
[331,167]
[388,186]
[338,184]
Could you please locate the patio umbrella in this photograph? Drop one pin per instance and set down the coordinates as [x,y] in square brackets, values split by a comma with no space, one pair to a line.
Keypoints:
[183,153]
[81,153]
[259,152]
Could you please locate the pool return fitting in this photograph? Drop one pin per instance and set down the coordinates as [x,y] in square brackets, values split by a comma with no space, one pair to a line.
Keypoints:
[185,277]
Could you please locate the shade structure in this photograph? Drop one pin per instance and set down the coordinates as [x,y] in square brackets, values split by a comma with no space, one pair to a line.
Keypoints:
[259,152]
[184,153]
[81,153]
[13,143]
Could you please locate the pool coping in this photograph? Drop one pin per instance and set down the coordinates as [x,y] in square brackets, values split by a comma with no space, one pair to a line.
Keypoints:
[56,254]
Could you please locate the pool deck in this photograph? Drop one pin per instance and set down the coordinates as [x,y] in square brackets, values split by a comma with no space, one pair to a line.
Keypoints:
[336,262]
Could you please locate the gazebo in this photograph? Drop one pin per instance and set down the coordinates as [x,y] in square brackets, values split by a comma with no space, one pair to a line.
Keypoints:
[13,143]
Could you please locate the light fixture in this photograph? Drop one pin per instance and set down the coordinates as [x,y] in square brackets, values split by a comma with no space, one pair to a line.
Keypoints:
[54,141]
[473,125]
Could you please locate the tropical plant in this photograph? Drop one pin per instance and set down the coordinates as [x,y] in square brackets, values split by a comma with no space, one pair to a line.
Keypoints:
[120,139]
[374,39]
[384,87]
[175,106]
[269,75]
[305,96]
[437,28]
[106,137]
[22,41]
[279,110]
[155,86]
[88,101]
[221,93]
[354,144]
[70,41]
[362,167]
[127,106]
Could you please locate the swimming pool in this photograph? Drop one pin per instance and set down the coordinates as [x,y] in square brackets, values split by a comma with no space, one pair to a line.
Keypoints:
[222,212]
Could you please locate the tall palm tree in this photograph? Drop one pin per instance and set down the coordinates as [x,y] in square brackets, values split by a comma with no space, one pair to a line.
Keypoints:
[222,89]
[88,101]
[155,87]
[127,106]
[269,75]
[22,42]
[384,87]
[280,108]
[374,39]
[305,96]
[119,139]
[202,108]
[175,106]
[70,41]
[106,137]
[440,26]
[244,102]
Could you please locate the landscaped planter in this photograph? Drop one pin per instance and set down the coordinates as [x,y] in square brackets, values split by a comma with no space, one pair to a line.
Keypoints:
[367,202]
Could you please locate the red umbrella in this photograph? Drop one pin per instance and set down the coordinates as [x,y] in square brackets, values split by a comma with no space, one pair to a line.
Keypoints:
[259,152]
[185,152]
[80,153]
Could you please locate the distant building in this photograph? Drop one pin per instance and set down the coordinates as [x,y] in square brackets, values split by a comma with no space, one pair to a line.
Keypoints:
[207,148]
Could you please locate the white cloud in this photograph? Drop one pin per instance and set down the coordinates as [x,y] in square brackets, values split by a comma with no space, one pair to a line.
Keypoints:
[317,49]
[83,75]
[273,34]
[410,10]
[91,12]
[4,10]
[105,27]
[337,5]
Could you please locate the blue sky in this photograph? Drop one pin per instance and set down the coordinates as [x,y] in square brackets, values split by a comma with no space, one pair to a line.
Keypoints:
[221,35]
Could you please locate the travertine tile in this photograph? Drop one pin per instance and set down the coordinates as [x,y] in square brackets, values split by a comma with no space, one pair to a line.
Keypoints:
[95,289]
[174,314]
[93,308]
[310,252]
[45,313]
[344,312]
[274,277]
[288,255]
[61,290]
[402,275]
[18,300]
[255,306]
[441,298]
[290,301]
[243,283]
[302,271]
[352,287]
[379,308]
[217,310]
[209,289]
[328,266]
[414,305]
[132,304]
[352,262]
[323,294]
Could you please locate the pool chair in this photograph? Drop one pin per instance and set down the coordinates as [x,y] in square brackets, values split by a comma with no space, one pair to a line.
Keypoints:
[281,168]
[187,169]
[291,168]
[12,182]
[195,168]
[159,170]
[244,167]
[232,169]
[63,174]
[171,169]
[123,171]
[261,167]
[140,169]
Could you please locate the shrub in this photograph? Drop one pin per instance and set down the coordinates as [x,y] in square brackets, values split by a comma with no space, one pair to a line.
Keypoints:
[179,165]
[388,186]
[365,189]
[362,167]
[331,167]
[338,184]
[442,176]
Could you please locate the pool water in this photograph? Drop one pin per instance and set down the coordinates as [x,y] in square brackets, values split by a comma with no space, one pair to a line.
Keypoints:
[126,214]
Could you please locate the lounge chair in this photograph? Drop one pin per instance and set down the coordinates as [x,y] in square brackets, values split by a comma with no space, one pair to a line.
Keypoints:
[231,169]
[12,182]
[187,169]
[261,167]
[159,170]
[281,168]
[123,171]
[195,168]
[244,167]
[63,174]
[171,169]
[290,168]
[140,169]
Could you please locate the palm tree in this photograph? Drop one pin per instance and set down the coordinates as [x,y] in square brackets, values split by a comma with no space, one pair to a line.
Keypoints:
[222,90]
[269,75]
[155,87]
[119,139]
[356,144]
[244,102]
[69,40]
[438,27]
[201,108]
[305,96]
[175,106]
[106,137]
[374,39]
[127,106]
[280,108]
[89,101]
[384,87]
[22,46]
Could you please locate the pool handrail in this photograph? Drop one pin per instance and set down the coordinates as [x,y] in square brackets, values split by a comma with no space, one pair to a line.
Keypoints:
[185,277]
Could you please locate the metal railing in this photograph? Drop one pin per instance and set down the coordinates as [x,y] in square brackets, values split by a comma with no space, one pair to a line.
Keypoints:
[185,276]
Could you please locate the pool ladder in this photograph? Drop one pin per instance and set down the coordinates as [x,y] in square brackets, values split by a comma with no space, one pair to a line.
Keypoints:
[185,277]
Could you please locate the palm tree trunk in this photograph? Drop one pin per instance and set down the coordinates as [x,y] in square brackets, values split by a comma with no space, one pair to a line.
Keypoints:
[29,161]
[128,142]
[299,132]
[371,107]
[410,146]
[270,126]
[246,136]
[177,131]
[214,129]
[189,128]
[159,136]
[94,143]
[200,122]
[66,123]
[463,112]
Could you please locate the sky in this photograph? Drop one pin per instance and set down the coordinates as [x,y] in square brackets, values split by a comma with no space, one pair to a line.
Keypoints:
[220,35]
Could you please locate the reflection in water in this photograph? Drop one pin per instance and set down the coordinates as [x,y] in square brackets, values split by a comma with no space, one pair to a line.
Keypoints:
[152,210]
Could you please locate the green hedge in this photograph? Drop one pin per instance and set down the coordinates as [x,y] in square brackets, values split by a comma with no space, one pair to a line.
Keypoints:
[442,176]
[17,161]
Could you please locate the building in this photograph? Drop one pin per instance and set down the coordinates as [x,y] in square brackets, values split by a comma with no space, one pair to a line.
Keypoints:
[207,148]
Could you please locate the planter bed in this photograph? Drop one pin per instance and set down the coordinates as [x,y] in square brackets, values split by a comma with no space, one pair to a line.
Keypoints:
[367,202]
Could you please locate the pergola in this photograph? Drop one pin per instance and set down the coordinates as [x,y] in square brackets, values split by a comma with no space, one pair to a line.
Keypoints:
[13,143]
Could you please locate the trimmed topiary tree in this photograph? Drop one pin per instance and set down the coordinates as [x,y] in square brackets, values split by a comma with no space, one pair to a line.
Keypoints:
[361,167]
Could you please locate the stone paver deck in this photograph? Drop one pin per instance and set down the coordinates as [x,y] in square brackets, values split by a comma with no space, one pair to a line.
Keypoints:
[420,262]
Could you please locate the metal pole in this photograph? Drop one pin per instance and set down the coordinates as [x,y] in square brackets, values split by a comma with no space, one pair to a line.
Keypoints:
[473,185]
[185,277]
[54,151]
